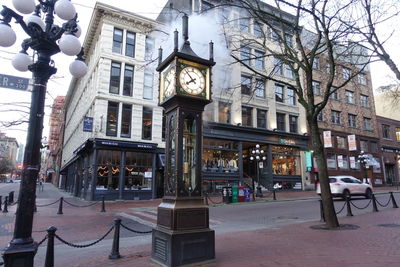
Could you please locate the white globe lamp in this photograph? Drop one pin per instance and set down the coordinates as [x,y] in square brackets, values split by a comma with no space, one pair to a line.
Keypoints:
[35,19]
[69,44]
[78,68]
[65,9]
[21,61]
[7,35]
[24,6]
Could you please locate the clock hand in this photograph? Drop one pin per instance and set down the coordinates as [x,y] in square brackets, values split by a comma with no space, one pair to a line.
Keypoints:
[193,80]
[190,76]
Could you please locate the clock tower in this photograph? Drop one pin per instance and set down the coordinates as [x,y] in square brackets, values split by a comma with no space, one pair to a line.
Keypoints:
[182,235]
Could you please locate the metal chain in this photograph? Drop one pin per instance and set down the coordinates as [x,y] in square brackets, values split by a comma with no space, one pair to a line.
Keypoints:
[41,242]
[39,231]
[381,204]
[86,245]
[12,204]
[45,205]
[355,206]
[138,232]
[341,208]
[78,206]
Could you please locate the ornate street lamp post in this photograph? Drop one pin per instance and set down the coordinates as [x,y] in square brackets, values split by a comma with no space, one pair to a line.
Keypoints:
[45,39]
[258,156]
[363,160]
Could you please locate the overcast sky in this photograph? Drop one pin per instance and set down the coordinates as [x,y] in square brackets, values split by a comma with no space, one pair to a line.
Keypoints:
[59,82]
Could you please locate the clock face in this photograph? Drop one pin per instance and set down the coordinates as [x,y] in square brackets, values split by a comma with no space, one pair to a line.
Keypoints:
[192,80]
[169,81]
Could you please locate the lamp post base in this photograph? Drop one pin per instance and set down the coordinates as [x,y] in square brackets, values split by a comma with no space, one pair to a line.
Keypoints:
[259,192]
[20,255]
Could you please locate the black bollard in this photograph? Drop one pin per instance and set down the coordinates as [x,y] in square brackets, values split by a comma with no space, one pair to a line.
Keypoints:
[11,197]
[51,232]
[60,206]
[374,206]
[206,198]
[274,193]
[103,205]
[35,208]
[321,211]
[391,197]
[349,213]
[115,247]
[5,209]
[1,203]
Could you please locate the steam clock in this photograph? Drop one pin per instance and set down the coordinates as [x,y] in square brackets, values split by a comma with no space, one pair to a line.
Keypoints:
[182,235]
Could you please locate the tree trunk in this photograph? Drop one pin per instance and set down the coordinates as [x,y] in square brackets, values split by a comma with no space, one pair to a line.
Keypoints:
[327,201]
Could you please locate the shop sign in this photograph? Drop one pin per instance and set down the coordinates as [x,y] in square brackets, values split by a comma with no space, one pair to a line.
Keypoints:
[286,141]
[352,162]
[308,160]
[352,142]
[126,144]
[327,139]
[88,124]
[340,161]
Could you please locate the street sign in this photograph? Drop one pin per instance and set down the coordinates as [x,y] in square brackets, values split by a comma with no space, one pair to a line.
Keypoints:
[14,82]
[88,124]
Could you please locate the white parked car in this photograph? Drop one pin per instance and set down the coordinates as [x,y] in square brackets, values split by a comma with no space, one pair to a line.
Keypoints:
[344,186]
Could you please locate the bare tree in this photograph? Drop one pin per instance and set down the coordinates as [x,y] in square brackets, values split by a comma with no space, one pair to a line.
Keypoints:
[298,36]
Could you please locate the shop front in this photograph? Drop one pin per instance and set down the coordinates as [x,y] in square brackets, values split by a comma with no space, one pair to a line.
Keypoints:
[113,169]
[227,158]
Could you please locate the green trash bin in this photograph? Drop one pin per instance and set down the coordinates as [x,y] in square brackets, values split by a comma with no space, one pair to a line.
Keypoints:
[235,194]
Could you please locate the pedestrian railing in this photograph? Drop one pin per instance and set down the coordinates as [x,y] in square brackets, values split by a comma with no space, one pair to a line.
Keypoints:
[350,203]
[115,254]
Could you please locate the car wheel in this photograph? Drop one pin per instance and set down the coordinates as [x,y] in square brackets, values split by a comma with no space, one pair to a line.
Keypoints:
[346,194]
[368,193]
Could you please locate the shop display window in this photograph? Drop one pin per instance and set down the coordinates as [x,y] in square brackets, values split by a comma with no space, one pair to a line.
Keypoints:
[285,160]
[108,169]
[220,156]
[138,170]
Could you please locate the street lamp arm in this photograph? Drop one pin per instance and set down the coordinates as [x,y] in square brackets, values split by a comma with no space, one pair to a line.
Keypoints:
[8,14]
[70,27]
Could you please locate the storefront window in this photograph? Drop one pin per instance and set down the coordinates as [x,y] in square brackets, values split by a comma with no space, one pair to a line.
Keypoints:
[108,169]
[220,156]
[331,161]
[285,160]
[138,170]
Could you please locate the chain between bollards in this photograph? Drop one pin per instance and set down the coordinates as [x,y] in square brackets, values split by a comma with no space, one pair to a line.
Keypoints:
[393,201]
[5,209]
[51,232]
[60,206]
[374,206]
[103,205]
[321,211]
[115,246]
[349,213]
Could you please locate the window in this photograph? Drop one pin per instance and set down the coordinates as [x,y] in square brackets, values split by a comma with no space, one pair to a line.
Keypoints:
[352,120]
[247,119]
[274,35]
[288,39]
[279,93]
[261,118]
[293,124]
[245,54]
[335,94]
[374,147]
[316,63]
[205,5]
[386,131]
[115,77]
[397,133]
[224,112]
[320,116]
[149,48]
[148,84]
[288,71]
[117,41]
[128,81]
[346,73]
[108,169]
[246,85]
[257,30]
[367,124]
[331,161]
[137,164]
[335,117]
[316,87]
[291,96]
[343,162]
[259,59]
[364,146]
[260,88]
[147,123]
[244,24]
[341,142]
[362,78]
[112,119]
[280,122]
[130,44]
[278,66]
[364,101]
[126,120]
[349,97]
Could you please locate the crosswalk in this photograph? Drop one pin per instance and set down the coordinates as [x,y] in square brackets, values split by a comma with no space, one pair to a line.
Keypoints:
[148,216]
